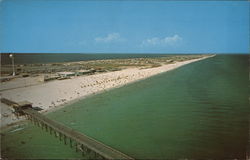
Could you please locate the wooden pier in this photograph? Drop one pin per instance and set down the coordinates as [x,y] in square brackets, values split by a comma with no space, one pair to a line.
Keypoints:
[89,147]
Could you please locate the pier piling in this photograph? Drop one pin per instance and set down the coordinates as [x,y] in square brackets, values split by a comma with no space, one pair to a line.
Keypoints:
[88,146]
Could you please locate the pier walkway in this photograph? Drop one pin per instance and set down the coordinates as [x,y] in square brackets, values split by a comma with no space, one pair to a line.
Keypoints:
[89,147]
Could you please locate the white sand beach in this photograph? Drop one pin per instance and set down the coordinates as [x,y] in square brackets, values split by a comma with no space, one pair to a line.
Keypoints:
[51,95]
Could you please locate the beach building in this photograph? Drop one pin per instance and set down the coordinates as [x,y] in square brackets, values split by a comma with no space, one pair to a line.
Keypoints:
[66,74]
[50,77]
[83,72]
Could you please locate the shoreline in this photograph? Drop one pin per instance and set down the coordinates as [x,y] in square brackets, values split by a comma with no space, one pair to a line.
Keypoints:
[60,98]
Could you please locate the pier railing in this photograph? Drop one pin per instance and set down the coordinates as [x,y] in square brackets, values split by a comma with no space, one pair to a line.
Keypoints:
[89,147]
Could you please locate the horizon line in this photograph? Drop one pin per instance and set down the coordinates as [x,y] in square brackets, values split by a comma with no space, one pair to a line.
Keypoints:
[115,53]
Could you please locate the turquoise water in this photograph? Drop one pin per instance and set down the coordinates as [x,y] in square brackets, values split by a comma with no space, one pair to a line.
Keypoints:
[197,111]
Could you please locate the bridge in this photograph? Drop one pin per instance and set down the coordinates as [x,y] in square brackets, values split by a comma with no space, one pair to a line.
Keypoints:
[88,146]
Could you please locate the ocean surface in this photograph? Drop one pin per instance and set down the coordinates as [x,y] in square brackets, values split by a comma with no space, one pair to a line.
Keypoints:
[31,58]
[197,111]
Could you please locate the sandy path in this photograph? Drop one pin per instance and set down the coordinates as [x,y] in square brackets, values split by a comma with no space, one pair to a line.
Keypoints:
[52,94]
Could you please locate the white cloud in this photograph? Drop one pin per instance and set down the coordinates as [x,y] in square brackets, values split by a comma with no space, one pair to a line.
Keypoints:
[112,37]
[162,41]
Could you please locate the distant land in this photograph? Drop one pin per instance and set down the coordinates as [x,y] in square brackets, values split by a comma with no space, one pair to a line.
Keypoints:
[32,58]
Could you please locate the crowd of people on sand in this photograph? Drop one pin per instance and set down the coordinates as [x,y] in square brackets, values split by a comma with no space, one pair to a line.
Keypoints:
[60,92]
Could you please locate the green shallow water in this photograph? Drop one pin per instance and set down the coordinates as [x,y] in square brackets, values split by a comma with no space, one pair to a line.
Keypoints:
[197,111]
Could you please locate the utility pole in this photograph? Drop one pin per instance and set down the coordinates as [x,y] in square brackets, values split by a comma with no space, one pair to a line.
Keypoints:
[13,65]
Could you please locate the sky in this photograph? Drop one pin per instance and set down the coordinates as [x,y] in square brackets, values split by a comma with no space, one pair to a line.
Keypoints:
[115,26]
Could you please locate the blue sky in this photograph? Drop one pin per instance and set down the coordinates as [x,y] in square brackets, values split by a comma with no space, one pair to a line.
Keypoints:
[64,26]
